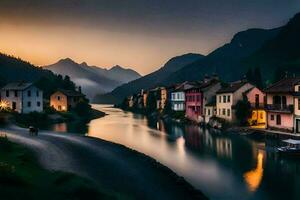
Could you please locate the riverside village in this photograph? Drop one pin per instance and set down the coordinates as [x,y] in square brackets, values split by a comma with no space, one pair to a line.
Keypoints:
[150,100]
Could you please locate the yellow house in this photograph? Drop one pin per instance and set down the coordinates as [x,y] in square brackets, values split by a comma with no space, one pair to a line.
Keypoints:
[257,98]
[64,100]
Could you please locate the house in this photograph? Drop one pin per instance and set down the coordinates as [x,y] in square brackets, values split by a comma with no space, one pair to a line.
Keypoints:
[199,95]
[280,104]
[227,97]
[65,100]
[210,110]
[177,96]
[297,108]
[161,96]
[257,100]
[22,97]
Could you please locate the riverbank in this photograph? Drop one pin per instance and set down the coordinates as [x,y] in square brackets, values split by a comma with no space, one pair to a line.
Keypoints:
[111,165]
[45,119]
[21,177]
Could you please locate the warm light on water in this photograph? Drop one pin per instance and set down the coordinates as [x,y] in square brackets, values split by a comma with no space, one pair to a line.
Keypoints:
[223,166]
[253,178]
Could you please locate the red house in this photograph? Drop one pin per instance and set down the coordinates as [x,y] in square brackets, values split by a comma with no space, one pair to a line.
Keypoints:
[198,96]
[193,103]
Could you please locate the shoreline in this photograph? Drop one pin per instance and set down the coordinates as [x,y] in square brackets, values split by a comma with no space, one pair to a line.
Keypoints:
[134,156]
[197,194]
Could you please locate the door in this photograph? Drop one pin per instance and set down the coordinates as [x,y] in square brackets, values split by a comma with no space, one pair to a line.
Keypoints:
[256,101]
[14,105]
[278,119]
[297,125]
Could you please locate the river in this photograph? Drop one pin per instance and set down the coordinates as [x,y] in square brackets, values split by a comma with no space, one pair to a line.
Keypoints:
[222,166]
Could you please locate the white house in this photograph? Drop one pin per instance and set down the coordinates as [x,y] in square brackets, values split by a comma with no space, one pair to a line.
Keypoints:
[178,96]
[297,108]
[22,97]
[227,98]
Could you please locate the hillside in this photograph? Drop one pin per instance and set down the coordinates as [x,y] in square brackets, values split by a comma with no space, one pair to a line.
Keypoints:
[148,81]
[93,79]
[226,60]
[281,55]
[14,69]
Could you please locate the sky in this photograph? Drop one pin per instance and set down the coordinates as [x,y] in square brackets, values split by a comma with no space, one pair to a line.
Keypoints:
[140,34]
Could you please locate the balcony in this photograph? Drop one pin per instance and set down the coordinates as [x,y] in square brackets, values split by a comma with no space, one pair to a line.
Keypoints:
[258,105]
[280,108]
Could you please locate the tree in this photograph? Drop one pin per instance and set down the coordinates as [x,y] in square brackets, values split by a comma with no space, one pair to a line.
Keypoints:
[243,111]
[258,82]
[151,102]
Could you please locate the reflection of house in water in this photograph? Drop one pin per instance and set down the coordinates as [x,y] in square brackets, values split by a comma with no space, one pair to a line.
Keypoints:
[193,137]
[253,178]
[223,147]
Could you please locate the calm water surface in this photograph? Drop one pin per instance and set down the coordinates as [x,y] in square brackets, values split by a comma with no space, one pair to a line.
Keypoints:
[223,166]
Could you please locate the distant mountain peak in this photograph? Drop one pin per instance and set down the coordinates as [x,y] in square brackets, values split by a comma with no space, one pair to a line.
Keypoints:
[84,64]
[66,61]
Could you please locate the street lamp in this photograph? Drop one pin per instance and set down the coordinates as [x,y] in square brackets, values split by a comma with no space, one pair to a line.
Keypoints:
[3,105]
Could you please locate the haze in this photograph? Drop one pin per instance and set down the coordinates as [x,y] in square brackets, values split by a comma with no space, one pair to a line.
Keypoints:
[141,34]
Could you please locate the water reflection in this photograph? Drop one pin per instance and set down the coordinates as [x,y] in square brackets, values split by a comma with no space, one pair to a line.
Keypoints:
[254,177]
[223,166]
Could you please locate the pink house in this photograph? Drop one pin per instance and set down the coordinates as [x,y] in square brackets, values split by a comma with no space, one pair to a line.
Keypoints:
[193,102]
[197,96]
[280,104]
[257,99]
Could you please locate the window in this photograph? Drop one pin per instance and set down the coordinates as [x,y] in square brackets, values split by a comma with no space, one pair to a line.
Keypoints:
[219,111]
[58,98]
[228,112]
[198,97]
[220,99]
[205,110]
[228,98]
[29,93]
[7,93]
[224,99]
[299,103]
[224,111]
[208,110]
[173,96]
[261,115]
[37,93]
[59,108]
[272,117]
[38,104]
[299,88]
[16,93]
[28,104]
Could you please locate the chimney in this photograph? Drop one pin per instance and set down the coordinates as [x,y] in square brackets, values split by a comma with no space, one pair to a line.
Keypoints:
[215,76]
[206,78]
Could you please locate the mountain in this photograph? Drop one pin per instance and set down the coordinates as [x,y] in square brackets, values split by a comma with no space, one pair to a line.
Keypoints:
[15,69]
[93,79]
[148,81]
[226,60]
[281,55]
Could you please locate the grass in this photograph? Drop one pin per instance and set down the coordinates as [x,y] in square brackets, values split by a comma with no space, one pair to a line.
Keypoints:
[21,177]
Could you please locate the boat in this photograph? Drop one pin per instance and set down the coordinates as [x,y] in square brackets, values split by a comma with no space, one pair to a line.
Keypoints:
[291,149]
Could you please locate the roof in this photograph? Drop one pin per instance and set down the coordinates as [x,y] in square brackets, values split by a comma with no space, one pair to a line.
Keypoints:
[70,93]
[291,141]
[285,85]
[202,85]
[183,86]
[212,102]
[17,86]
[232,87]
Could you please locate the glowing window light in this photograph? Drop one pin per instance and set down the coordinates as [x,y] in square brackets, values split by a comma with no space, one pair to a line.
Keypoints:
[3,105]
